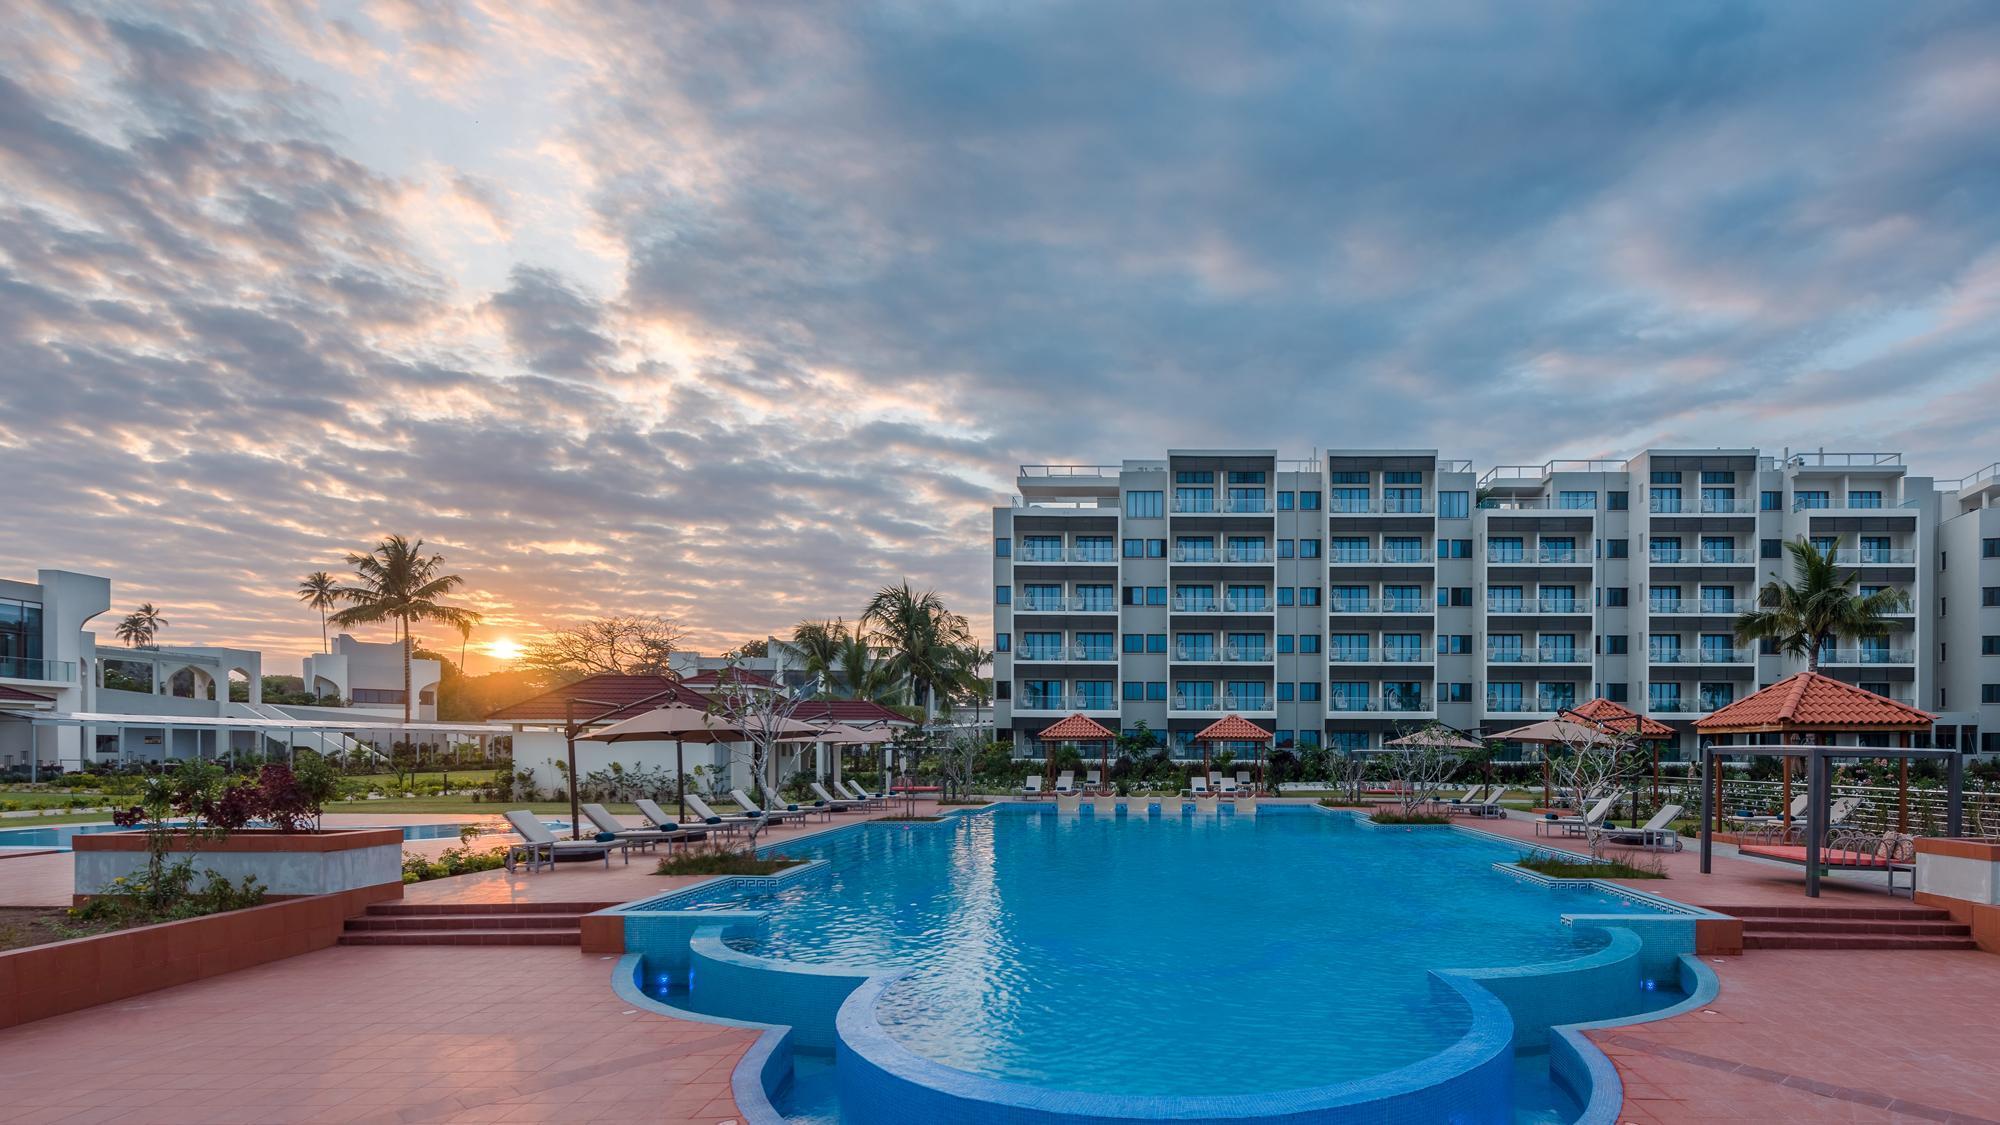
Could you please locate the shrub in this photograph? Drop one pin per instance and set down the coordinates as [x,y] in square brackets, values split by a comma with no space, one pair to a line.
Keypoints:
[717,859]
[1563,867]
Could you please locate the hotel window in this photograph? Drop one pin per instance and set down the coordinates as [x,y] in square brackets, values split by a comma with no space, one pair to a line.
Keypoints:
[1308,548]
[1156,548]
[1156,691]
[1002,595]
[1094,598]
[1665,499]
[1616,644]
[1989,596]
[1454,643]
[1309,595]
[1617,501]
[1864,499]
[1989,645]
[1348,476]
[1503,549]
[1454,548]
[1002,641]
[1002,548]
[1284,548]
[1350,548]
[1135,691]
[1402,499]
[1308,691]
[1576,499]
[1003,690]
[1770,548]
[1308,501]
[1718,500]
[1284,644]
[1402,477]
[1135,595]
[1402,548]
[1309,642]
[1663,697]
[1284,595]
[1500,599]
[1812,499]
[1194,499]
[1663,599]
[1617,595]
[1349,648]
[1135,548]
[1156,595]
[1664,648]
[1666,476]
[1347,499]
[1876,549]
[1194,476]
[1617,693]
[1284,691]
[1455,693]
[1989,548]
[1504,696]
[1239,476]
[1454,505]
[1284,501]
[1156,642]
[1617,548]
[1455,595]
[1989,693]
[1134,642]
[1145,505]
[1770,500]
[1194,548]
[1716,696]
[1559,549]
[1824,544]
[1718,476]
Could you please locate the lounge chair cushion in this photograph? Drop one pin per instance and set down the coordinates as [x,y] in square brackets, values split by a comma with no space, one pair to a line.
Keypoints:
[791,808]
[607,837]
[711,820]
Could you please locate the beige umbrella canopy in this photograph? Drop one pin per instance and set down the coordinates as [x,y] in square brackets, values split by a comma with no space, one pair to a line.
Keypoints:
[1558,732]
[1441,737]
[684,724]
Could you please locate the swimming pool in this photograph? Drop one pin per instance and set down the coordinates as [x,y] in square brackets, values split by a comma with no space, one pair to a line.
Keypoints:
[59,836]
[1157,956]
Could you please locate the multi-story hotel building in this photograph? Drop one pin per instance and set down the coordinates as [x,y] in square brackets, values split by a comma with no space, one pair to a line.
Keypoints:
[1338,599]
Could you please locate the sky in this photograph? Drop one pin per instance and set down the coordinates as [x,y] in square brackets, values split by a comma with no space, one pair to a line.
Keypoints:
[737,312]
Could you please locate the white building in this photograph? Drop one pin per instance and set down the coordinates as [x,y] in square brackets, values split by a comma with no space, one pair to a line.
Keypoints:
[1337,599]
[369,676]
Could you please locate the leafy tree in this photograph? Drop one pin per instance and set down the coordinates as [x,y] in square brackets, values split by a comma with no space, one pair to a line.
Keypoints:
[319,591]
[1806,615]
[631,645]
[749,649]
[398,583]
[819,644]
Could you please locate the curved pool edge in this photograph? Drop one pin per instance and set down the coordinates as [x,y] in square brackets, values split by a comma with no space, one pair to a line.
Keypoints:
[1486,1049]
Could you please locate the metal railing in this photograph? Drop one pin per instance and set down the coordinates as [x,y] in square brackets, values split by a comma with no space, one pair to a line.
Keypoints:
[1508,705]
[1694,606]
[1375,505]
[46,671]
[1849,504]
[1706,505]
[1026,553]
[1550,468]
[1700,656]
[1212,604]
[1372,605]
[1038,702]
[1228,701]
[1537,656]
[1868,656]
[1228,505]
[1702,556]
[1351,555]
[1971,480]
[1094,654]
[1419,655]
[1879,809]
[1875,556]
[1537,605]
[1825,460]
[1098,471]
[1393,704]
[1059,604]
[1529,556]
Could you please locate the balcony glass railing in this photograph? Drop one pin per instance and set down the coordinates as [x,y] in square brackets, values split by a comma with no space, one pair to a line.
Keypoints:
[1057,604]
[1560,655]
[1700,656]
[1196,653]
[1236,604]
[1104,554]
[1246,505]
[1506,705]
[1035,553]
[1552,556]
[1185,505]
[1706,505]
[1228,701]
[1191,554]
[47,671]
[1042,652]
[1036,701]
[1350,605]
[1246,654]
[1403,605]
[1360,505]
[1710,556]
[1041,603]
[1875,556]
[1196,604]
[1247,555]
[1868,656]
[1390,703]
[1509,656]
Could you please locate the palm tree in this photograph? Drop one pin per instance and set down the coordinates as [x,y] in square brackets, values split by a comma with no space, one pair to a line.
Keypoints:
[1816,609]
[858,673]
[399,583]
[819,644]
[319,591]
[141,625]
[920,635]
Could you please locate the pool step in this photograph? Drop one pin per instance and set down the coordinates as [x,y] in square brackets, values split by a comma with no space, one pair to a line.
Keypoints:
[470,923]
[1850,927]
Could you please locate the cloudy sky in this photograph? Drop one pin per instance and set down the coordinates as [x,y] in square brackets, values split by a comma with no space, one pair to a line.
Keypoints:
[736,312]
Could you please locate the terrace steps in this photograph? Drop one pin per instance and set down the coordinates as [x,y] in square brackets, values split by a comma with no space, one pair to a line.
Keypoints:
[470,923]
[1850,927]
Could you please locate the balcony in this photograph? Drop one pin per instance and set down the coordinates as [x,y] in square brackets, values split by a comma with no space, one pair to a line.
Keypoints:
[1537,556]
[1225,555]
[1705,556]
[1522,705]
[1065,605]
[1212,604]
[1395,606]
[1420,655]
[1376,505]
[1701,656]
[1227,654]
[1857,656]
[1068,654]
[1524,606]
[1702,507]
[1875,556]
[1689,607]
[1699,705]
[1853,504]
[1066,703]
[1393,704]
[1389,556]
[41,671]
[1537,656]
[1218,704]
[1228,505]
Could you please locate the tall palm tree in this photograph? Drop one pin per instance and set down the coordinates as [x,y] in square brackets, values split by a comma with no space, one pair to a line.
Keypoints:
[920,635]
[858,673]
[398,583]
[319,591]
[140,626]
[1817,608]
[819,644]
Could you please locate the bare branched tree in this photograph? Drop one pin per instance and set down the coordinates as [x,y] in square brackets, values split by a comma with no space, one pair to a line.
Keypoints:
[762,711]
[1591,763]
[633,645]
[1420,772]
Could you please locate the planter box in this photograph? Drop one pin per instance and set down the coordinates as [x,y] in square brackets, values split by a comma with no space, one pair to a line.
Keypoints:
[1963,877]
[65,976]
[288,864]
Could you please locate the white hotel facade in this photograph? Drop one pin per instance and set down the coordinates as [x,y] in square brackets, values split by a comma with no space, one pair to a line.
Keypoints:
[1338,599]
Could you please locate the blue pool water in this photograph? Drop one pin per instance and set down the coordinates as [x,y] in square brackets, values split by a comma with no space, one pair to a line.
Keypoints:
[61,835]
[1173,955]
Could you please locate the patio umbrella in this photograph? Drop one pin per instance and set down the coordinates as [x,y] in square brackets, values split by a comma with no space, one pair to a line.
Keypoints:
[684,724]
[1441,737]
[838,735]
[1565,732]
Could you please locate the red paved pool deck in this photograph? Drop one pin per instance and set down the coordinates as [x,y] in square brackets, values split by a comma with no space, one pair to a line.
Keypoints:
[400,1033]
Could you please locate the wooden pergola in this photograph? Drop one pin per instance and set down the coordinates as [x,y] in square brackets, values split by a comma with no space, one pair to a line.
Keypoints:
[1822,708]
[1233,728]
[1079,728]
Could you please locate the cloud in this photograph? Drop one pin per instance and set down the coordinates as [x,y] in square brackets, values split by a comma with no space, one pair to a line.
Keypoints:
[737,312]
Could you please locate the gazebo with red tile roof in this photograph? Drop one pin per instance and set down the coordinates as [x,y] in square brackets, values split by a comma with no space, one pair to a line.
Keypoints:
[1809,704]
[714,677]
[1079,728]
[1233,728]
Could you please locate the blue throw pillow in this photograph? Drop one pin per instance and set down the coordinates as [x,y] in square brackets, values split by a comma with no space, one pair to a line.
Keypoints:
[754,814]
[819,804]
[791,808]
[712,820]
[670,826]
[607,837]
[1550,816]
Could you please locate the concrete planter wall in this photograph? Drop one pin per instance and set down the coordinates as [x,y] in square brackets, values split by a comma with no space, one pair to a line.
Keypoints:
[288,864]
[1962,876]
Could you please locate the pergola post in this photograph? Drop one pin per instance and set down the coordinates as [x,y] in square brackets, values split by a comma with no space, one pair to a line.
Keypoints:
[1954,808]
[1903,789]
[1815,815]
[1707,819]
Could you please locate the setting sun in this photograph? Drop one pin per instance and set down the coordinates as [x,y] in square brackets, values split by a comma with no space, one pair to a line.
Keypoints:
[504,649]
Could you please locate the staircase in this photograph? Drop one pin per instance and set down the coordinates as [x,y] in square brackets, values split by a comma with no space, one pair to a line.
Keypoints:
[1849,927]
[470,923]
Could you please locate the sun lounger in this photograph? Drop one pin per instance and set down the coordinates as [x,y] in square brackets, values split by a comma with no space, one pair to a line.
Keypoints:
[1066,782]
[1764,820]
[660,819]
[1469,796]
[601,818]
[1577,825]
[868,800]
[1485,808]
[1243,780]
[1229,787]
[734,821]
[1093,779]
[1657,832]
[1031,786]
[539,845]
[1197,787]
[833,802]
[775,816]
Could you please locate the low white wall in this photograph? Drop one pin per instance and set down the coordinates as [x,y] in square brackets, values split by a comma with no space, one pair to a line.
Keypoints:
[281,873]
[1974,880]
